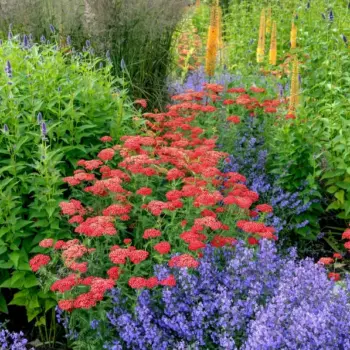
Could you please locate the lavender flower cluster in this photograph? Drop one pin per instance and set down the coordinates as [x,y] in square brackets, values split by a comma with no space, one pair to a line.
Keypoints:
[239,298]
[307,312]
[197,78]
[11,340]
[250,159]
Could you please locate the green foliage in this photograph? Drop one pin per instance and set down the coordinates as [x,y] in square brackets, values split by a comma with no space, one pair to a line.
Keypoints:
[137,31]
[316,146]
[76,102]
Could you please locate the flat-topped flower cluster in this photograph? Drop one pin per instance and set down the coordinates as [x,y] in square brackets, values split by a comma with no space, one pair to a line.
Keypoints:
[153,198]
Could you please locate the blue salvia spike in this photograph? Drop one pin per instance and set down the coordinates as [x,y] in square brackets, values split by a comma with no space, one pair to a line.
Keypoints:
[6,128]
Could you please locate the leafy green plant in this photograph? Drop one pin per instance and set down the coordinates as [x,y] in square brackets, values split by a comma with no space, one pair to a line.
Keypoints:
[55,104]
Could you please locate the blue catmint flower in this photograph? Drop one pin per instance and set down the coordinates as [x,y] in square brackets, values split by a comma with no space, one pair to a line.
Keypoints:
[345,39]
[240,298]
[88,44]
[43,39]
[69,40]
[6,128]
[52,29]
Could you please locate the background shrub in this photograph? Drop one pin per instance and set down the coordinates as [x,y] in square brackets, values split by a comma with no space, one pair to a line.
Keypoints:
[135,31]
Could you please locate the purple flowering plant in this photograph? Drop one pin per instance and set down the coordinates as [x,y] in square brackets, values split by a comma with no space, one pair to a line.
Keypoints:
[238,298]
[12,340]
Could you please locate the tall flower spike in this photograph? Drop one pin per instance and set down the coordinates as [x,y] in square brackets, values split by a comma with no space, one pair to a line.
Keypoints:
[260,52]
[268,20]
[212,45]
[294,91]
[219,24]
[198,3]
[273,45]
[293,36]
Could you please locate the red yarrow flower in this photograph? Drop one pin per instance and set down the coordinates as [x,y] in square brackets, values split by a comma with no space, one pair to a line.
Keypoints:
[334,276]
[46,243]
[66,305]
[106,154]
[151,233]
[39,261]
[264,208]
[326,261]
[162,247]
[346,234]
[234,119]
[114,273]
[142,102]
[106,139]
[184,260]
[144,191]
[170,281]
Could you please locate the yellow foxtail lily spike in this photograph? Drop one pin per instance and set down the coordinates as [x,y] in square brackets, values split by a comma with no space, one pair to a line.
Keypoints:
[212,44]
[294,90]
[268,20]
[260,52]
[273,45]
[293,36]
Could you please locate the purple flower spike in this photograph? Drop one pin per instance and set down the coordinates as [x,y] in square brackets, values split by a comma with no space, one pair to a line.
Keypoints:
[43,39]
[8,69]
[52,29]
[39,118]
[6,128]
[69,40]
[43,131]
[26,44]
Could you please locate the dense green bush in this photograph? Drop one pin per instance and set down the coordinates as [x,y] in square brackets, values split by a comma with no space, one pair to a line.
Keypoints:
[54,107]
[315,148]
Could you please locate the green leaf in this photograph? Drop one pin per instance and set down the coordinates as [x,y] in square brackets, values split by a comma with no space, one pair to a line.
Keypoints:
[6,264]
[32,313]
[3,305]
[340,196]
[14,257]
[30,281]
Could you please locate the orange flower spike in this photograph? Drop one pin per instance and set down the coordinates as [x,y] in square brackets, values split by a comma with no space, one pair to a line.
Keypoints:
[273,45]
[198,3]
[260,52]
[212,45]
[293,36]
